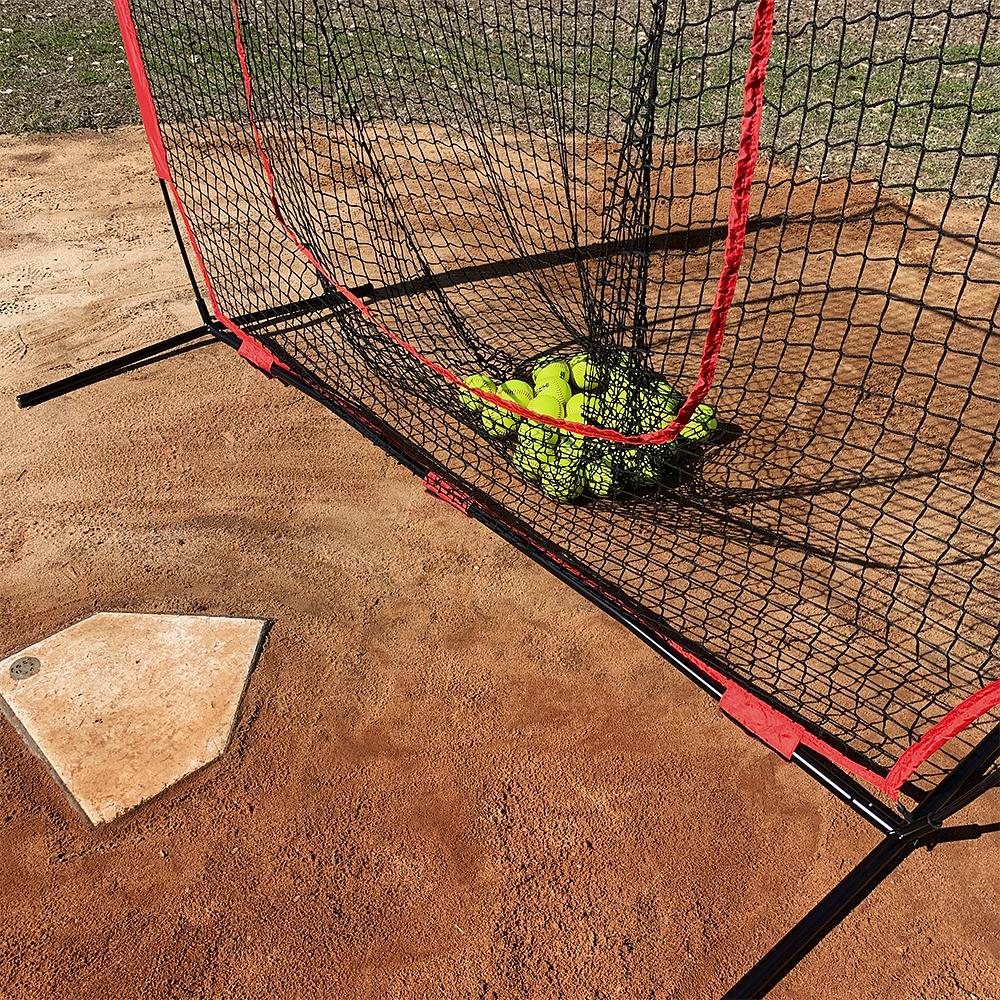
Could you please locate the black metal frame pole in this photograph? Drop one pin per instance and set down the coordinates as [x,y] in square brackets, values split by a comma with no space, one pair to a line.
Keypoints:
[949,796]
[881,861]
[132,359]
[124,362]
[109,369]
[203,311]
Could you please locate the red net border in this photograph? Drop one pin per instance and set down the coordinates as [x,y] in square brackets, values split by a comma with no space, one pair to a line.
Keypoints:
[776,728]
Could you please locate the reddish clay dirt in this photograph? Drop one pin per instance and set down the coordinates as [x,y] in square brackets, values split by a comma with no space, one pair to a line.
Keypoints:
[452,777]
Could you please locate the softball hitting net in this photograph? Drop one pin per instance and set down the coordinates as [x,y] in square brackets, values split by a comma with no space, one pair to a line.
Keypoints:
[770,303]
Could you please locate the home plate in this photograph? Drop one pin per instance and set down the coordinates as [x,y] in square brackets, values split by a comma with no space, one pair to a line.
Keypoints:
[121,706]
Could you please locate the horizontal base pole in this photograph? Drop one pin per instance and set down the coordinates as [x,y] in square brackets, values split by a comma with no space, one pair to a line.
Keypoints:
[108,369]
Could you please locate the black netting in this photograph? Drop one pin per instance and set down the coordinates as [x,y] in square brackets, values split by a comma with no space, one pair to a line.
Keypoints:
[537,177]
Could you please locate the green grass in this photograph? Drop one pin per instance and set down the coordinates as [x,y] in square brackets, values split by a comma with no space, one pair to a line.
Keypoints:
[924,109]
[65,69]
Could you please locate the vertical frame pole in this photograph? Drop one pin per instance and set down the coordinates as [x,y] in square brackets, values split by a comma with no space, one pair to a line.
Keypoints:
[203,311]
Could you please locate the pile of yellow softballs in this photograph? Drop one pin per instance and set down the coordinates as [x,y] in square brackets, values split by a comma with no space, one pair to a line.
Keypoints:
[564,464]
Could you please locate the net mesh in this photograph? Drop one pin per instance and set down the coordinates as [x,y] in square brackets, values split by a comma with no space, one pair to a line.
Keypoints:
[534,179]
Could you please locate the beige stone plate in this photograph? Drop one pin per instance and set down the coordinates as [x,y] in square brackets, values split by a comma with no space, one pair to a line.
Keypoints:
[121,706]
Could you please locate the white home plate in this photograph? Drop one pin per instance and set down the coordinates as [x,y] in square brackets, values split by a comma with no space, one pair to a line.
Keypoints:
[121,706]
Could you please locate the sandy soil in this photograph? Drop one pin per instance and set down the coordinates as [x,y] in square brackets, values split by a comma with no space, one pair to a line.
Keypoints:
[451,778]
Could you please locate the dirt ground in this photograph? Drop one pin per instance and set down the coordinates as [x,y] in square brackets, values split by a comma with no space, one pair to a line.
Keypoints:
[452,777]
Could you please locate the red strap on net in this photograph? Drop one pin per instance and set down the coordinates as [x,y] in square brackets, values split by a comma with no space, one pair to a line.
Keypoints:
[140,83]
[739,206]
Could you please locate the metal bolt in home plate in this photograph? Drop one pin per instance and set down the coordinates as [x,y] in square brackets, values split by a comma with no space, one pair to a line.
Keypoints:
[26,666]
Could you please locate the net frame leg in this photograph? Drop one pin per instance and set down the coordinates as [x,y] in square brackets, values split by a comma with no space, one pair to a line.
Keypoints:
[142,356]
[151,353]
[199,300]
[966,783]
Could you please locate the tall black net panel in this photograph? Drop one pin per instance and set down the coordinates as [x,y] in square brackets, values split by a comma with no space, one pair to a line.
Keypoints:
[511,231]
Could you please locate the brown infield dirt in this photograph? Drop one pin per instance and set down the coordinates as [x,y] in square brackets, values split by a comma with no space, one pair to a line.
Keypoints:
[452,777]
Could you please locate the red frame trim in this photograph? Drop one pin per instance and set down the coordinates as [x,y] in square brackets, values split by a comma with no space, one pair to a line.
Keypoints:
[805,737]
[444,489]
[776,728]
[769,725]
[251,348]
[958,719]
[140,82]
